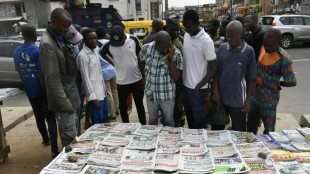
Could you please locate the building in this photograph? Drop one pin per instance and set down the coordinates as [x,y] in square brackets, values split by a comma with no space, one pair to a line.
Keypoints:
[209,11]
[176,10]
[197,8]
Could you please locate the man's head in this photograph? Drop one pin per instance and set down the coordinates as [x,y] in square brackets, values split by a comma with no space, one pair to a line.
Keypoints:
[251,22]
[101,33]
[173,25]
[90,38]
[213,26]
[162,42]
[157,25]
[272,40]
[191,21]
[117,36]
[60,21]
[234,33]
[222,29]
[119,23]
[29,33]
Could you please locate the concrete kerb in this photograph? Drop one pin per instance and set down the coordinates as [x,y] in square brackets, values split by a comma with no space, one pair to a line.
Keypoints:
[19,120]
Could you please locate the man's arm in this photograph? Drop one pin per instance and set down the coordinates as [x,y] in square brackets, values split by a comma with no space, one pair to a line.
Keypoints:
[210,75]
[247,103]
[174,72]
[107,58]
[287,70]
[216,95]
[106,54]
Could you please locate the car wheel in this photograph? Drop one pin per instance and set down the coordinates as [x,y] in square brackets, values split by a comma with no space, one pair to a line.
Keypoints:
[286,41]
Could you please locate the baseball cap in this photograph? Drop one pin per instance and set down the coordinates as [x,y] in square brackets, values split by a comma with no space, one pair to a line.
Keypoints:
[117,36]
[73,36]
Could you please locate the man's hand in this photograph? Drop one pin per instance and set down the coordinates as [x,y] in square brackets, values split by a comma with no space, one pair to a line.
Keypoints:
[171,51]
[216,96]
[247,106]
[70,110]
[96,104]
[197,88]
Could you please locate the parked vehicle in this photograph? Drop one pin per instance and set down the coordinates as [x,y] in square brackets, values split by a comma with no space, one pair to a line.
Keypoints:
[293,27]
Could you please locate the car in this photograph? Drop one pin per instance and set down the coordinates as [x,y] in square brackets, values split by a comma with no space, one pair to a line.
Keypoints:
[293,27]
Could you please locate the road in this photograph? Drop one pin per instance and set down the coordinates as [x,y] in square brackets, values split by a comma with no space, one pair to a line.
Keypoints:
[295,101]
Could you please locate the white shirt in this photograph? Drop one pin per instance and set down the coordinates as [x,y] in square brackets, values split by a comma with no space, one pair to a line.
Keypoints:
[197,51]
[91,72]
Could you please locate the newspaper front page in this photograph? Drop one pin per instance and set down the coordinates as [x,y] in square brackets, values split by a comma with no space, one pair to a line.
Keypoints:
[138,160]
[167,162]
[106,156]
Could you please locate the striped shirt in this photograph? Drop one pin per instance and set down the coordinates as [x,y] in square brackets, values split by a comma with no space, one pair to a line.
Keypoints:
[158,82]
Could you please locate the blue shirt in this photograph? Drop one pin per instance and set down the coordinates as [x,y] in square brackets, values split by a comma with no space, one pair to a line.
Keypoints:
[108,70]
[27,64]
[234,68]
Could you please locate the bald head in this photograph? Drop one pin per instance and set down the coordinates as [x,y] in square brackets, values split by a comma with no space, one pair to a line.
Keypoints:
[163,42]
[157,25]
[234,33]
[235,26]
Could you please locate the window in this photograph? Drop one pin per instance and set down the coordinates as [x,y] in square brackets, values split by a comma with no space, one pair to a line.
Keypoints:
[139,32]
[154,11]
[296,21]
[138,5]
[108,16]
[4,48]
[285,20]
[307,20]
[267,20]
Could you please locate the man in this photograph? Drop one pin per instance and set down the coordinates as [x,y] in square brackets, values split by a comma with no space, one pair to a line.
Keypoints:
[222,28]
[28,66]
[59,69]
[273,64]
[109,76]
[124,50]
[251,24]
[157,25]
[162,63]
[198,69]
[91,72]
[236,72]
[173,28]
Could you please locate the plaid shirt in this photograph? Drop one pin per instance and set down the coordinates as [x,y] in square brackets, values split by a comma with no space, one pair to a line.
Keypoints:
[158,83]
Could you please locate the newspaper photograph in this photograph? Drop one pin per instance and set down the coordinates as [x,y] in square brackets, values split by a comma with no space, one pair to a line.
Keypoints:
[127,128]
[169,137]
[223,151]
[259,164]
[168,147]
[230,165]
[193,149]
[218,138]
[106,156]
[89,135]
[102,127]
[87,146]
[251,150]
[92,169]
[148,130]
[240,137]
[62,164]
[193,135]
[143,143]
[171,130]
[167,162]
[196,164]
[138,160]
[117,139]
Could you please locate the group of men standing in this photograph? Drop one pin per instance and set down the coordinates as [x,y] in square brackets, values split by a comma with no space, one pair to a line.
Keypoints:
[173,72]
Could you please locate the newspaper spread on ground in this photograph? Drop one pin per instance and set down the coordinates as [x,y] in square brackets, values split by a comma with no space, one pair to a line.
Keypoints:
[62,164]
[57,172]
[251,150]
[282,155]
[193,149]
[302,157]
[169,137]
[93,169]
[138,160]
[305,131]
[288,146]
[279,137]
[171,130]
[290,167]
[167,162]
[106,156]
[143,143]
[127,128]
[269,142]
[223,151]
[88,135]
[130,172]
[302,146]
[193,135]
[148,130]
[259,164]
[240,137]
[102,127]
[168,147]
[230,165]
[218,138]
[294,135]
[117,139]
[87,146]
[196,164]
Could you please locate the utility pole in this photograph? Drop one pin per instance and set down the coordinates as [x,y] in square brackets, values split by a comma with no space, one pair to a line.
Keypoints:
[166,7]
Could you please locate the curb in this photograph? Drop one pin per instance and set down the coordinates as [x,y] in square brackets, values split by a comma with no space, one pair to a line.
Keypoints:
[18,121]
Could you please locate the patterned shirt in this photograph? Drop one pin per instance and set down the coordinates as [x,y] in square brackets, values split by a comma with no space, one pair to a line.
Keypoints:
[270,68]
[158,83]
[178,42]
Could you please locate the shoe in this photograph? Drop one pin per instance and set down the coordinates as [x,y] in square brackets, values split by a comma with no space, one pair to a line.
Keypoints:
[47,143]
[54,154]
[112,118]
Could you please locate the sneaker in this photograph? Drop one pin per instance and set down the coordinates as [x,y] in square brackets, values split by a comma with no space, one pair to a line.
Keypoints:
[46,143]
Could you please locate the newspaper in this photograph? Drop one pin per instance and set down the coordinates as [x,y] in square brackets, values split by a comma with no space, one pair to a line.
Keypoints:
[92,169]
[117,139]
[148,130]
[127,128]
[259,164]
[279,137]
[193,135]
[288,146]
[223,151]
[304,131]
[130,172]
[61,163]
[107,156]
[240,137]
[169,137]
[138,160]
[102,127]
[290,167]
[167,162]
[93,136]
[196,164]
[303,157]
[282,155]
[171,130]
[230,165]
[44,171]
[87,146]
[143,143]
[268,142]
[294,135]
[193,149]
[251,150]
[218,138]
[168,147]
[302,146]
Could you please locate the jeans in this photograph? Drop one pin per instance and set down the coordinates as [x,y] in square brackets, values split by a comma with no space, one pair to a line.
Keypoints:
[167,108]
[66,127]
[138,93]
[113,104]
[41,113]
[99,115]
